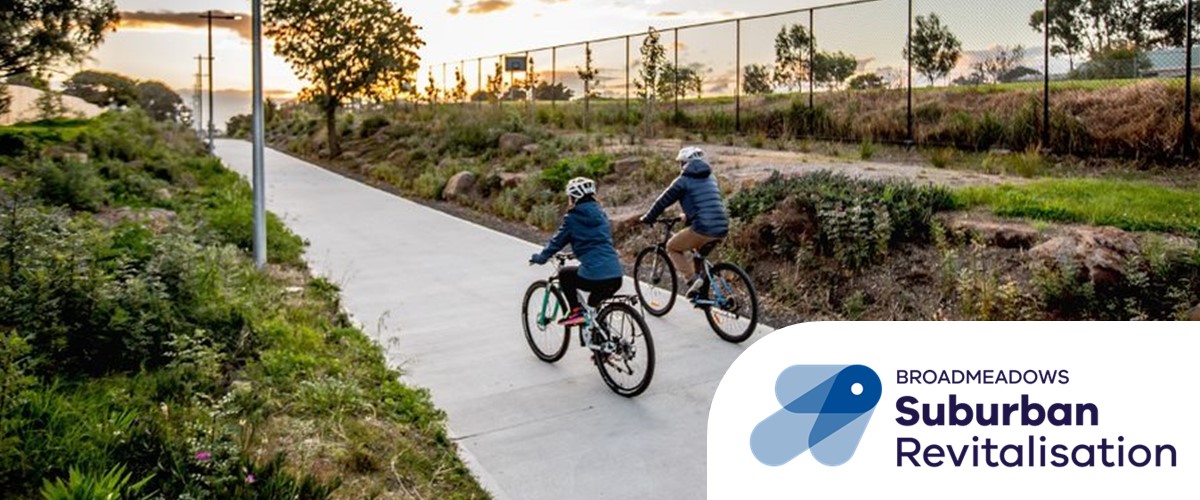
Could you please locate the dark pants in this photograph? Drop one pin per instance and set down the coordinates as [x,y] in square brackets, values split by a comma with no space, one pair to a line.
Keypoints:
[599,290]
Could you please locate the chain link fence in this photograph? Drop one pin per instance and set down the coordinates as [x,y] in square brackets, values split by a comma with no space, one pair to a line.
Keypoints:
[1056,75]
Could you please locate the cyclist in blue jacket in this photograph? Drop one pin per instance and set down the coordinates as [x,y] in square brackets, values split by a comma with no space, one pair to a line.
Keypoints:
[587,230]
[697,192]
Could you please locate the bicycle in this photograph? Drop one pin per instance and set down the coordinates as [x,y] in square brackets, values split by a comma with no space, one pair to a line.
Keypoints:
[616,333]
[728,298]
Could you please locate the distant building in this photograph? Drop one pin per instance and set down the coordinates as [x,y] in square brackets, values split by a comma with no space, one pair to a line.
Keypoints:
[1171,62]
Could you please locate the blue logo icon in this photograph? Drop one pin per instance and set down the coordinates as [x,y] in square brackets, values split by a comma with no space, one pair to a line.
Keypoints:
[825,410]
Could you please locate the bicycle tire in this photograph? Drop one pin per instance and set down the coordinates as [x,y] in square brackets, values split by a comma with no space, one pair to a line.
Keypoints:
[645,283]
[602,361]
[553,349]
[719,325]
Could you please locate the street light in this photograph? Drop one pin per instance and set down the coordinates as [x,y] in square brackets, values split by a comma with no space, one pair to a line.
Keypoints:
[260,200]
[210,15]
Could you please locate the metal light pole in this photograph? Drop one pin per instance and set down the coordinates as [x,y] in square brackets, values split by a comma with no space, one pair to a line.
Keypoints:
[210,16]
[260,211]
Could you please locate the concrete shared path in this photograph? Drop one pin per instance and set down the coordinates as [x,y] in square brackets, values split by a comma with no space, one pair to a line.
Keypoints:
[443,296]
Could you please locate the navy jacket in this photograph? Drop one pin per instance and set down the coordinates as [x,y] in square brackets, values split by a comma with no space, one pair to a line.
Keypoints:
[587,230]
[697,192]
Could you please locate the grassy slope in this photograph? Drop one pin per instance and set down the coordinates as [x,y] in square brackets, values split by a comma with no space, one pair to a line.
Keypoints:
[167,356]
[1129,205]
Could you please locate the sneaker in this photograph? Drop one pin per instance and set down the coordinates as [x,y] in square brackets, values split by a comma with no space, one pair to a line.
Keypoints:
[575,318]
[696,286]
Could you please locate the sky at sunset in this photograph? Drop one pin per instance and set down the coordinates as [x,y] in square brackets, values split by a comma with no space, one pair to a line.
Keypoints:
[160,39]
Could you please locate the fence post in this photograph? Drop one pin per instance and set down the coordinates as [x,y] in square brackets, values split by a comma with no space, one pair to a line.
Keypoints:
[478,79]
[528,87]
[1046,74]
[444,82]
[628,116]
[587,91]
[1188,126]
[812,66]
[675,75]
[554,77]
[737,95]
[908,52]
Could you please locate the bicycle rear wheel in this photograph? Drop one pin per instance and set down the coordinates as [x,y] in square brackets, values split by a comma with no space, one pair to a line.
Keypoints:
[628,365]
[540,311]
[734,314]
[655,281]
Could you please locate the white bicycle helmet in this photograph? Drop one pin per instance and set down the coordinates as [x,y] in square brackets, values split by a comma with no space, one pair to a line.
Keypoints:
[690,153]
[579,187]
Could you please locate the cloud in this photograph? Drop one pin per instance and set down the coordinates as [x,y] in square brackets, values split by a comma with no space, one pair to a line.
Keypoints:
[489,6]
[480,7]
[163,20]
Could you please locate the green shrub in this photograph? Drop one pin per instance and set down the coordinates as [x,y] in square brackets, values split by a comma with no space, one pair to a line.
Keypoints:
[430,184]
[866,149]
[372,125]
[113,484]
[593,166]
[858,221]
[544,216]
[71,184]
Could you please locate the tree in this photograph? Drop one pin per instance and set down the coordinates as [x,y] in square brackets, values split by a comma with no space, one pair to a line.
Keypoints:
[935,49]
[459,94]
[35,34]
[431,91]
[867,81]
[680,81]
[654,58]
[831,69]
[160,102]
[32,80]
[792,65]
[495,84]
[1017,73]
[102,88]
[999,62]
[1093,26]
[557,92]
[5,99]
[1065,28]
[757,79]
[1112,63]
[344,49]
[588,74]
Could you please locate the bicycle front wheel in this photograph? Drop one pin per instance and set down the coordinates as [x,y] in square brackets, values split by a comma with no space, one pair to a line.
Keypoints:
[540,311]
[655,281]
[734,312]
[626,362]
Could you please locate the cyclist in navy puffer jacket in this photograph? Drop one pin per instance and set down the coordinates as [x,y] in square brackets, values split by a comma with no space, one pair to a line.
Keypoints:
[587,230]
[697,192]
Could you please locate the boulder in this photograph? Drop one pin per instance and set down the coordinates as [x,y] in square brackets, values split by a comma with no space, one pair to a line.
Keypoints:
[513,142]
[532,149]
[75,157]
[511,180]
[459,185]
[1194,315]
[1096,254]
[1001,234]
[627,166]
[156,219]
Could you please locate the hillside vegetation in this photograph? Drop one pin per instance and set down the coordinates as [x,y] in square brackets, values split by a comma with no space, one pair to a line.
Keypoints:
[143,356]
[823,245]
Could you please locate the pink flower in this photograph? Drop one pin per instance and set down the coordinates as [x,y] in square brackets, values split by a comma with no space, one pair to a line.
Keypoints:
[250,478]
[203,456]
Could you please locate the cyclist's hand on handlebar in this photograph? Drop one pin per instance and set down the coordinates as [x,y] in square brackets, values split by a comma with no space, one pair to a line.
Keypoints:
[536,259]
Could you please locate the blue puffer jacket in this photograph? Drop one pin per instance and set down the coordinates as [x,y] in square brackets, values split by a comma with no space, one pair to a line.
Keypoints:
[587,230]
[697,192]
